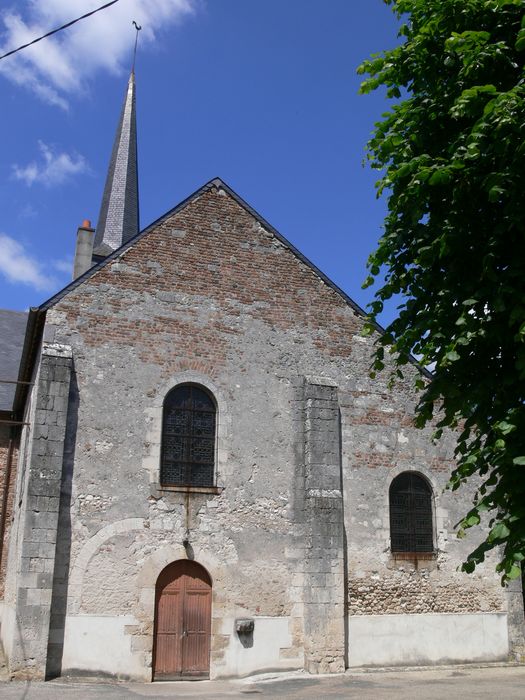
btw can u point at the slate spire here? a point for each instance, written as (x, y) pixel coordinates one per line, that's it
(118, 220)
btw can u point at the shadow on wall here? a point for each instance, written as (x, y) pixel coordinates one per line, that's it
(58, 611)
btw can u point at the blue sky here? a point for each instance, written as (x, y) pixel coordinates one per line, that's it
(262, 93)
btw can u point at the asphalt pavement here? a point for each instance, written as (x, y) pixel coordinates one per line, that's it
(486, 683)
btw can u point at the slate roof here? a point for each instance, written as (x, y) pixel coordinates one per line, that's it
(12, 332)
(118, 220)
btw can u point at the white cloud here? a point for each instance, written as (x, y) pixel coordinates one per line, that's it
(19, 267)
(65, 266)
(28, 211)
(58, 66)
(53, 169)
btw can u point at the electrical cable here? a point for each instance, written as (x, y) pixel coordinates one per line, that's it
(59, 29)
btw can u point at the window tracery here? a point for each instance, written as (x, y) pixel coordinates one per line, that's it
(410, 499)
(188, 437)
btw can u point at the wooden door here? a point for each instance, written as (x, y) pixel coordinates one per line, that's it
(182, 622)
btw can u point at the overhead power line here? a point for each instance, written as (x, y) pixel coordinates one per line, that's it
(58, 29)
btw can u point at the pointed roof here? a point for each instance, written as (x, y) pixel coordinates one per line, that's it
(118, 220)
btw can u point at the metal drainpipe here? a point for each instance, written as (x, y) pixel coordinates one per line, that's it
(5, 495)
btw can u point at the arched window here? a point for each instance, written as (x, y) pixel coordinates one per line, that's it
(188, 437)
(411, 514)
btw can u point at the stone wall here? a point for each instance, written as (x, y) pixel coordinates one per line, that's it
(409, 590)
(324, 634)
(8, 453)
(379, 443)
(376, 451)
(211, 295)
(39, 494)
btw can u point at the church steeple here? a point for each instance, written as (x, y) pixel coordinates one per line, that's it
(118, 220)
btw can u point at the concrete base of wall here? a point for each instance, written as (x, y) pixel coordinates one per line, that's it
(426, 639)
(262, 652)
(7, 622)
(98, 645)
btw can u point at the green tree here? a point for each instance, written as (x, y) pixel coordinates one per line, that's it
(452, 154)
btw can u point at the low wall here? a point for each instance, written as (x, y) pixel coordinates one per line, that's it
(427, 639)
(265, 650)
(100, 646)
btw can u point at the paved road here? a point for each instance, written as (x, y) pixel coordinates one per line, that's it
(506, 683)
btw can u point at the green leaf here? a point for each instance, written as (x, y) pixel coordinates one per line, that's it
(520, 41)
(495, 193)
(499, 532)
(513, 572)
(489, 107)
(440, 177)
(451, 153)
(472, 520)
(504, 427)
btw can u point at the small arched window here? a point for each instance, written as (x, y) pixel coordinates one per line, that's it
(188, 437)
(411, 514)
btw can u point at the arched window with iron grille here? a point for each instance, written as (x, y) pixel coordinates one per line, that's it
(411, 514)
(188, 437)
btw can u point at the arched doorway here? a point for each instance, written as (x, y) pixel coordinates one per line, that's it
(182, 622)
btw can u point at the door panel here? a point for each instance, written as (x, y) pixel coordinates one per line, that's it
(169, 633)
(182, 622)
(196, 616)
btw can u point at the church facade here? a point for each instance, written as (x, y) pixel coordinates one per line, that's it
(210, 484)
